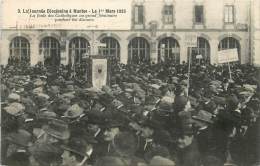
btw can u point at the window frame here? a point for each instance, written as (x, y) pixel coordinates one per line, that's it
(203, 15)
(141, 46)
(110, 43)
(226, 9)
(79, 48)
(168, 18)
(170, 45)
(51, 45)
(137, 18)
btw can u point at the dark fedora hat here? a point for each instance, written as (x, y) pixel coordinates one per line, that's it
(77, 130)
(203, 116)
(58, 129)
(210, 106)
(163, 137)
(94, 117)
(111, 123)
(220, 100)
(21, 138)
(78, 146)
(45, 153)
(125, 143)
(156, 150)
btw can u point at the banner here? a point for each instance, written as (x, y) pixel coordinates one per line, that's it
(199, 57)
(225, 56)
(99, 73)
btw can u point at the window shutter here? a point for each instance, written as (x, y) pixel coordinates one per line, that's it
(199, 14)
(136, 14)
(141, 14)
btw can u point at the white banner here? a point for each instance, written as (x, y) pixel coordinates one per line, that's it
(199, 57)
(99, 73)
(225, 56)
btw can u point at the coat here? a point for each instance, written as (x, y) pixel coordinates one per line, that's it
(209, 144)
(190, 155)
(252, 144)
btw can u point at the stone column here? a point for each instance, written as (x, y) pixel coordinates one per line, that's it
(93, 44)
(124, 51)
(154, 51)
(183, 52)
(34, 51)
(244, 58)
(4, 51)
(64, 54)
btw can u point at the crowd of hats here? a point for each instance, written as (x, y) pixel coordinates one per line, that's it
(148, 115)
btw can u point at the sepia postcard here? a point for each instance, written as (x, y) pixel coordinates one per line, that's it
(130, 82)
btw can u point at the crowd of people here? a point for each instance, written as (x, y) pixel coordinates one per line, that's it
(148, 115)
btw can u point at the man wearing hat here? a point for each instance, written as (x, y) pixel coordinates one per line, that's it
(76, 152)
(16, 142)
(188, 152)
(180, 99)
(18, 159)
(206, 137)
(105, 134)
(125, 145)
(55, 131)
(44, 154)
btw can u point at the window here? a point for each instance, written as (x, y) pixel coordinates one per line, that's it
(19, 50)
(50, 47)
(203, 49)
(229, 14)
(139, 14)
(112, 48)
(169, 48)
(199, 18)
(138, 50)
(78, 46)
(168, 14)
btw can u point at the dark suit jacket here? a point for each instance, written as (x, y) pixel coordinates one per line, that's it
(190, 155)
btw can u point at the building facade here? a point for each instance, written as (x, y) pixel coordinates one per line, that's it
(158, 32)
(255, 31)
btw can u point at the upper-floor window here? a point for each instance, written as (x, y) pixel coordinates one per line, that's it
(229, 14)
(138, 14)
(199, 14)
(168, 14)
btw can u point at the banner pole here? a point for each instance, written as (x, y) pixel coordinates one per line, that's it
(188, 86)
(229, 71)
